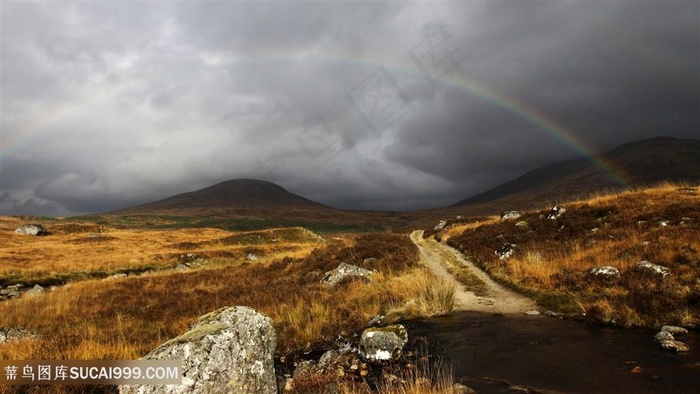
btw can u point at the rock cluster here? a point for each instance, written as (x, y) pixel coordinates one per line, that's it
(666, 338)
(32, 229)
(377, 346)
(227, 351)
(11, 291)
(345, 271)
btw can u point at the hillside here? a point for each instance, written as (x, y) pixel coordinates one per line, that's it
(240, 195)
(639, 163)
(551, 258)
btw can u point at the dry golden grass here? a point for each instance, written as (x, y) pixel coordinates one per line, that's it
(77, 250)
(553, 257)
(125, 318)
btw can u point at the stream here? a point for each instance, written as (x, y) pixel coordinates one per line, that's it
(491, 353)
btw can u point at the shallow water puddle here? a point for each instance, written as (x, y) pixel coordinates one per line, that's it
(492, 353)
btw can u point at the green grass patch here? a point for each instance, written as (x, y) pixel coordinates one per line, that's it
(229, 224)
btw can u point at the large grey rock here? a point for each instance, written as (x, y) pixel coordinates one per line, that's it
(653, 268)
(343, 271)
(32, 229)
(227, 351)
(381, 344)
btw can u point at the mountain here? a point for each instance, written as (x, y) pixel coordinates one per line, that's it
(637, 164)
(240, 197)
(256, 199)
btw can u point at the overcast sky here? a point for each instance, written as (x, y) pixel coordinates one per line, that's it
(367, 106)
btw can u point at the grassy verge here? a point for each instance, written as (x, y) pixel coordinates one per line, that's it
(552, 258)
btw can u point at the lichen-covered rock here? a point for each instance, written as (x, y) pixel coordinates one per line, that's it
(344, 271)
(510, 215)
(382, 344)
(653, 268)
(227, 351)
(674, 330)
(506, 250)
(605, 271)
(32, 229)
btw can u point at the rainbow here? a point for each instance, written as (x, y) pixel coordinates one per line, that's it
(529, 114)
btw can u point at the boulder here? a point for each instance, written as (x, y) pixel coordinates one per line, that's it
(662, 336)
(441, 224)
(227, 351)
(382, 344)
(674, 330)
(36, 290)
(533, 313)
(8, 334)
(344, 271)
(510, 215)
(674, 345)
(252, 257)
(653, 268)
(506, 250)
(459, 388)
(522, 224)
(556, 212)
(32, 229)
(605, 271)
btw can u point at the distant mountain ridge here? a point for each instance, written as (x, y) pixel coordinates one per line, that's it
(639, 163)
(239, 197)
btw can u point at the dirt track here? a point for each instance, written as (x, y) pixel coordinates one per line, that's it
(497, 299)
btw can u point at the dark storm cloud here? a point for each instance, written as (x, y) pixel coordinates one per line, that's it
(110, 104)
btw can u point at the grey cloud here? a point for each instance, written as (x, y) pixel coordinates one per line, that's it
(107, 105)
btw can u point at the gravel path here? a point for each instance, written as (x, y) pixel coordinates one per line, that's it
(498, 299)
